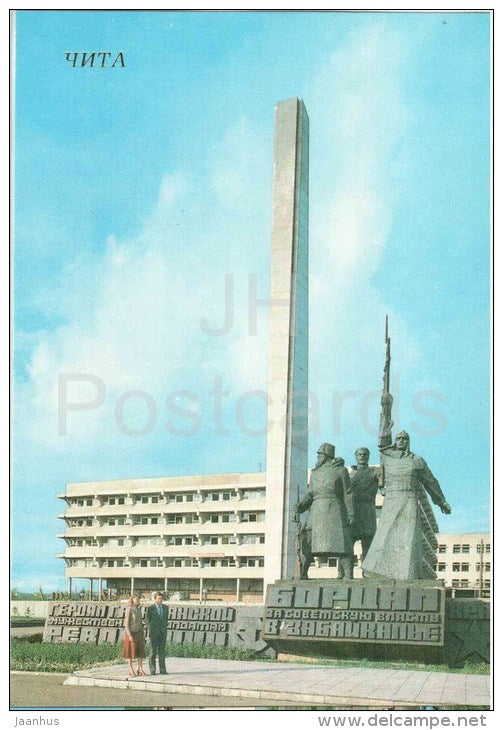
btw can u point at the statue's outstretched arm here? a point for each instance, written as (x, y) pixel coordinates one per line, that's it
(433, 488)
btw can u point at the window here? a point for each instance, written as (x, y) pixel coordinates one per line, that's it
(121, 500)
(189, 498)
(249, 517)
(442, 549)
(174, 519)
(456, 567)
(465, 567)
(465, 549)
(440, 567)
(464, 583)
(252, 562)
(253, 493)
(215, 496)
(226, 496)
(252, 539)
(455, 583)
(456, 549)
(111, 500)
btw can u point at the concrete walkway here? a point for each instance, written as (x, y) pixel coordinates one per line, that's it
(320, 685)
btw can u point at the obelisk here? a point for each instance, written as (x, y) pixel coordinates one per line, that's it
(286, 459)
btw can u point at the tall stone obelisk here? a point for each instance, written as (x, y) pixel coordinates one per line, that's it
(286, 460)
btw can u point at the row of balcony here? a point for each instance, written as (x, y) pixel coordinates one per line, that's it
(196, 528)
(164, 572)
(160, 507)
(164, 498)
(134, 520)
(163, 550)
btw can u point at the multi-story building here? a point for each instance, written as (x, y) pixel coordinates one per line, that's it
(464, 563)
(198, 536)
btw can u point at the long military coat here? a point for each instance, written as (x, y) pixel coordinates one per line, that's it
(330, 504)
(364, 486)
(396, 550)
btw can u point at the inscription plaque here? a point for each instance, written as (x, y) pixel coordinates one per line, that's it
(97, 623)
(355, 611)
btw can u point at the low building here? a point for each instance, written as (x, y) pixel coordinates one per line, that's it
(464, 563)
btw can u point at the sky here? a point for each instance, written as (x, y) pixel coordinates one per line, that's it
(143, 207)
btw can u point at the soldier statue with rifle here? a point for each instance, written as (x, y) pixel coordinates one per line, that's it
(396, 550)
(327, 532)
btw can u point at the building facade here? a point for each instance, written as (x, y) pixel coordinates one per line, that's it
(193, 537)
(464, 563)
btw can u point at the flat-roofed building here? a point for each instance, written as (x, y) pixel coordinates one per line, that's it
(464, 563)
(196, 536)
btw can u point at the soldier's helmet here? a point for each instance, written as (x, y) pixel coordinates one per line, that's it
(327, 449)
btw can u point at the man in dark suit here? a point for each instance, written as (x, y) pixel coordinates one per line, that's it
(157, 626)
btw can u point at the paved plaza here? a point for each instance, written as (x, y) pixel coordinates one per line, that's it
(317, 684)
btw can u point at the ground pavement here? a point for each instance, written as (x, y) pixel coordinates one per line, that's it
(285, 682)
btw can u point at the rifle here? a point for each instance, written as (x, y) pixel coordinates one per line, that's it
(386, 423)
(298, 551)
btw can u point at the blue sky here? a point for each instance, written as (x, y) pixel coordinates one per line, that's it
(139, 188)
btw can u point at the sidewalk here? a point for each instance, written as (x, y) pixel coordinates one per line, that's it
(319, 685)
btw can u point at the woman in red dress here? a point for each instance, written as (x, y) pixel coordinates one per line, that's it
(134, 641)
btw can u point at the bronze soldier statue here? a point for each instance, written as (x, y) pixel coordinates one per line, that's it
(327, 530)
(364, 486)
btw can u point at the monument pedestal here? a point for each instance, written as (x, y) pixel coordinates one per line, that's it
(356, 619)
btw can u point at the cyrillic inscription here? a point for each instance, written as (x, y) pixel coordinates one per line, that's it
(395, 613)
(104, 622)
(97, 59)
